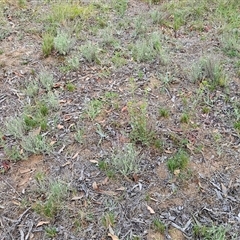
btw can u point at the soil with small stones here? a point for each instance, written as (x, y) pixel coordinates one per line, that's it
(207, 193)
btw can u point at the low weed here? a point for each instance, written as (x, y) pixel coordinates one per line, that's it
(120, 6)
(70, 87)
(185, 118)
(163, 112)
(32, 88)
(108, 219)
(208, 69)
(210, 233)
(90, 52)
(79, 136)
(47, 44)
(51, 232)
(126, 160)
(56, 192)
(139, 122)
(63, 42)
(231, 43)
(149, 49)
(178, 162)
(158, 226)
(46, 79)
(94, 108)
(36, 144)
(15, 127)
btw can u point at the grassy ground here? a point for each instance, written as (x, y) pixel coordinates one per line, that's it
(119, 119)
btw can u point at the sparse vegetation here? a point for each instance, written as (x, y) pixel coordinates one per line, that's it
(178, 162)
(102, 106)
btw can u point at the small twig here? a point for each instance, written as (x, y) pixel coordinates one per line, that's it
(11, 187)
(29, 231)
(20, 219)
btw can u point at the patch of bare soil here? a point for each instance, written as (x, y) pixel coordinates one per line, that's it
(206, 193)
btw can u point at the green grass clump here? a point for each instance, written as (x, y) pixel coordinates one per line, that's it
(55, 192)
(163, 112)
(149, 49)
(178, 162)
(141, 133)
(158, 226)
(47, 44)
(63, 42)
(90, 52)
(126, 160)
(94, 108)
(120, 6)
(15, 126)
(70, 87)
(69, 11)
(46, 80)
(36, 144)
(210, 233)
(209, 70)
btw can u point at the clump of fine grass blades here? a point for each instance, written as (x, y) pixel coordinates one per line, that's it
(126, 160)
(141, 133)
(56, 192)
(36, 144)
(208, 69)
(47, 44)
(46, 80)
(178, 162)
(149, 49)
(63, 42)
(94, 108)
(90, 52)
(210, 233)
(15, 126)
(158, 226)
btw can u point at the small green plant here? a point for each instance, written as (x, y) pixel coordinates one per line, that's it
(90, 52)
(48, 44)
(51, 232)
(51, 100)
(63, 42)
(118, 59)
(94, 108)
(46, 80)
(140, 26)
(43, 109)
(149, 49)
(79, 136)
(231, 43)
(158, 17)
(14, 153)
(73, 63)
(30, 122)
(237, 125)
(210, 70)
(32, 89)
(120, 6)
(185, 118)
(139, 122)
(210, 233)
(206, 110)
(108, 219)
(56, 192)
(36, 144)
(70, 87)
(108, 38)
(158, 226)
(178, 162)
(126, 160)
(163, 112)
(15, 127)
